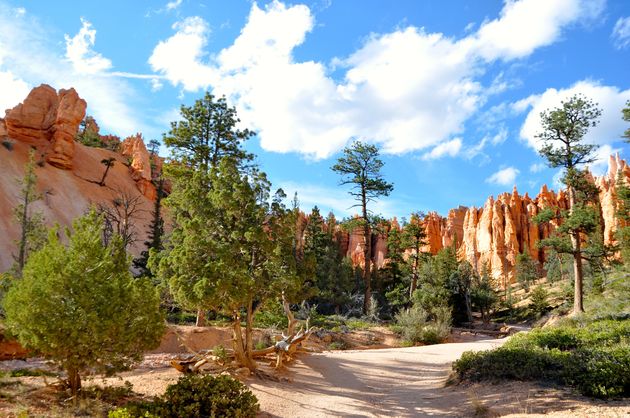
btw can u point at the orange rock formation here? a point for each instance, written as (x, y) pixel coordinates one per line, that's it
(47, 119)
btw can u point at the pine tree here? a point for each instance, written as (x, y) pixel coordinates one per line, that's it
(414, 238)
(563, 133)
(360, 166)
(108, 163)
(526, 270)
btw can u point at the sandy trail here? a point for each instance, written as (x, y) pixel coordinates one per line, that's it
(397, 382)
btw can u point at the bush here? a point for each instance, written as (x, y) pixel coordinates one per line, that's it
(593, 357)
(600, 371)
(195, 396)
(415, 326)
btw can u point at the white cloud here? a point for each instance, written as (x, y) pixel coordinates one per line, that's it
(504, 177)
(394, 88)
(530, 24)
(450, 148)
(602, 154)
(478, 149)
(172, 5)
(80, 53)
(180, 57)
(14, 90)
(610, 99)
(621, 33)
(27, 50)
(537, 167)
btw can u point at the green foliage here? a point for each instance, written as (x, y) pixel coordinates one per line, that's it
(155, 236)
(526, 269)
(88, 135)
(418, 326)
(593, 356)
(626, 116)
(333, 277)
(196, 396)
(482, 294)
(538, 298)
(32, 228)
(360, 167)
(78, 305)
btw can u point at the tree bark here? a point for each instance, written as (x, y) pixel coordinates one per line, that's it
(238, 345)
(367, 252)
(291, 319)
(74, 381)
(201, 318)
(578, 306)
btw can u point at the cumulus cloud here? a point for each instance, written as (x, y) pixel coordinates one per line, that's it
(80, 53)
(391, 91)
(527, 25)
(180, 57)
(14, 90)
(504, 177)
(450, 148)
(27, 50)
(610, 99)
(621, 33)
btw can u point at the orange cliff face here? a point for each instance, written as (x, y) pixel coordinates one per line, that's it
(68, 172)
(492, 236)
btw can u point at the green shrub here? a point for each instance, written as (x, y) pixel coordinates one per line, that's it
(593, 357)
(414, 325)
(208, 396)
(196, 396)
(511, 363)
(600, 371)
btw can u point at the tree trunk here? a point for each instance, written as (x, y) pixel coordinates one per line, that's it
(367, 253)
(237, 343)
(102, 183)
(249, 335)
(74, 381)
(289, 314)
(201, 318)
(468, 306)
(578, 306)
(414, 276)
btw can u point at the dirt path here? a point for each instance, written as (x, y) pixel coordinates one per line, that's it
(399, 382)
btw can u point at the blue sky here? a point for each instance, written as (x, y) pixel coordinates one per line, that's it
(450, 90)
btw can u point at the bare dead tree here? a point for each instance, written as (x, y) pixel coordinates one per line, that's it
(120, 217)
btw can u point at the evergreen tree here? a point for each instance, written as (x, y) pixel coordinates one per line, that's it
(413, 236)
(563, 133)
(482, 293)
(360, 166)
(206, 134)
(526, 270)
(78, 305)
(108, 163)
(397, 287)
(32, 229)
(626, 116)
(156, 232)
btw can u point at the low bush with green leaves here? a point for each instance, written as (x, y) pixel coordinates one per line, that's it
(418, 326)
(594, 357)
(196, 396)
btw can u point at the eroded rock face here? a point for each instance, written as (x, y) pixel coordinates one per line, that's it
(70, 113)
(133, 147)
(3, 129)
(48, 119)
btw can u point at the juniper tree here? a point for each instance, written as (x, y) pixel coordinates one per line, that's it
(562, 136)
(206, 134)
(360, 167)
(78, 305)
